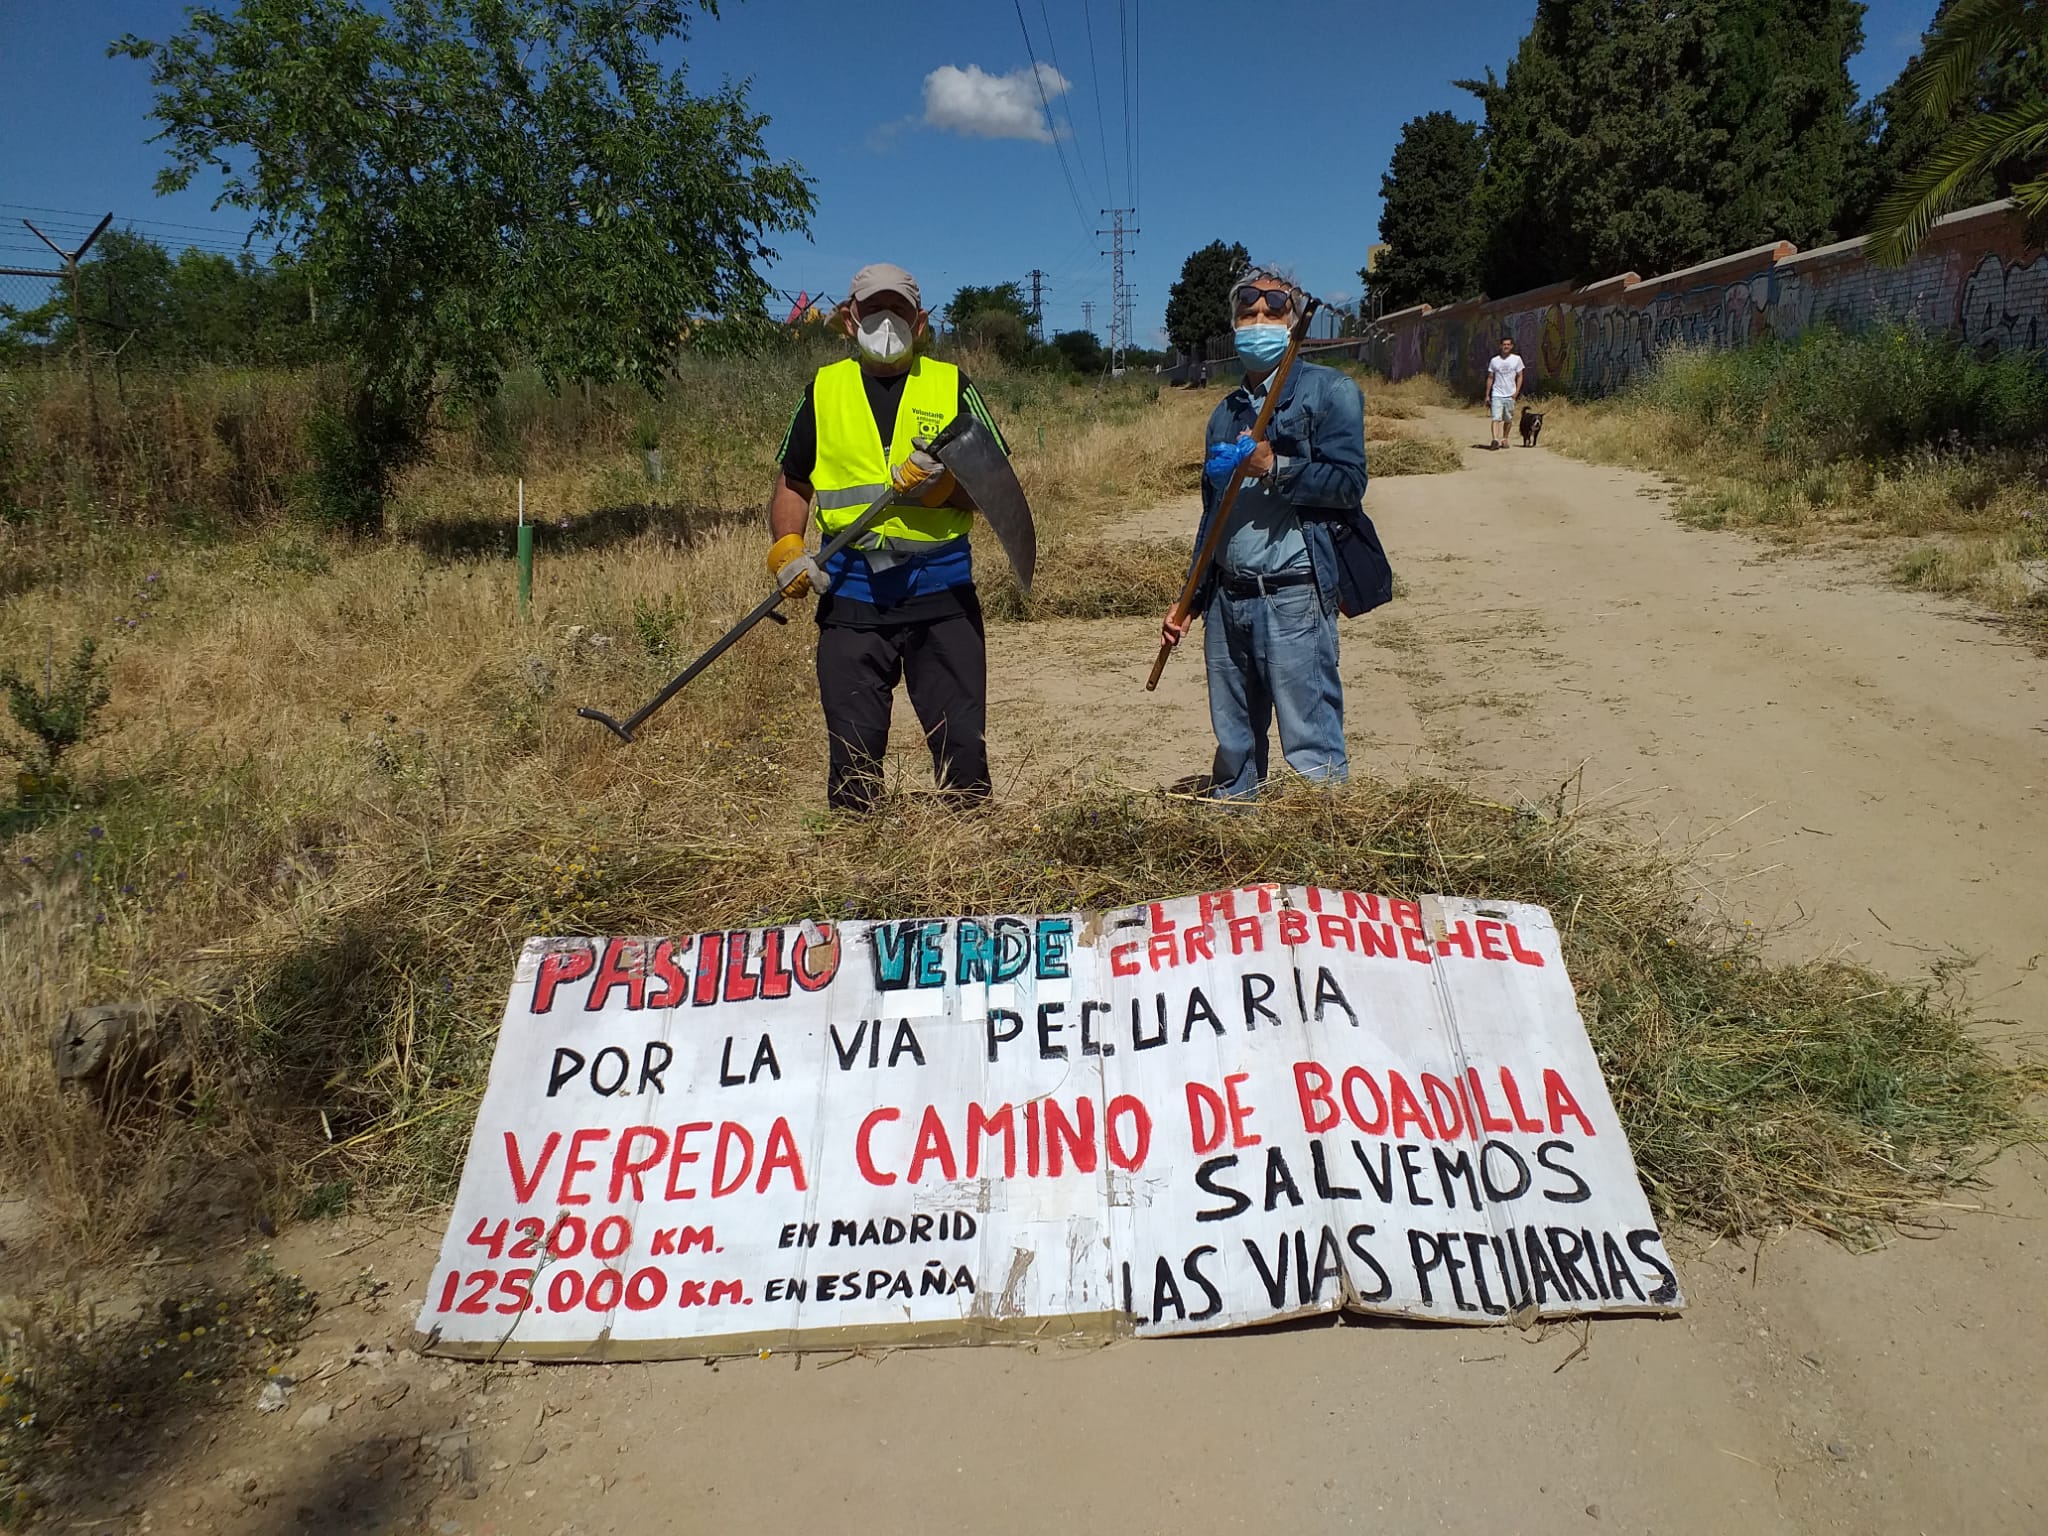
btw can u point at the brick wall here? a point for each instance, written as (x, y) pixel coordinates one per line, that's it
(1975, 277)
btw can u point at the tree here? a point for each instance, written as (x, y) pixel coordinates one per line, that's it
(1651, 134)
(1082, 350)
(1781, 90)
(146, 306)
(1426, 215)
(1198, 306)
(998, 331)
(1965, 122)
(124, 291)
(999, 298)
(465, 181)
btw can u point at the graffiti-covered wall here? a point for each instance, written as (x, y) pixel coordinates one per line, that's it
(1975, 278)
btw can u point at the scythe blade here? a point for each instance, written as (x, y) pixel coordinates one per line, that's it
(978, 462)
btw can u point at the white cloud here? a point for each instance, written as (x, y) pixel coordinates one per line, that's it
(983, 106)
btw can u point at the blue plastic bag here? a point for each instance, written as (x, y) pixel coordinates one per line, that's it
(1225, 457)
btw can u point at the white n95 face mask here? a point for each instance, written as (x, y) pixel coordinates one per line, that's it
(883, 337)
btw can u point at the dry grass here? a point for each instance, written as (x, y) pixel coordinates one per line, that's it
(339, 784)
(1411, 395)
(1094, 579)
(1413, 454)
(287, 705)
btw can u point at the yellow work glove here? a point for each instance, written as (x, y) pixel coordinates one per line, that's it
(791, 565)
(924, 477)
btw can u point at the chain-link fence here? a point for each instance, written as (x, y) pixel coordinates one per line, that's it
(27, 297)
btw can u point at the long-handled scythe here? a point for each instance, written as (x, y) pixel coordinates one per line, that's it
(977, 461)
(1206, 555)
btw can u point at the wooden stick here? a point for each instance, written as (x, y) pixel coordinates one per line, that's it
(1207, 553)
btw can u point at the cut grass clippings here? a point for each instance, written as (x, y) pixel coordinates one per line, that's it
(1755, 1094)
(1094, 579)
(1412, 455)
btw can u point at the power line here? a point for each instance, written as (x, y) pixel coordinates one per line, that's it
(1123, 43)
(1137, 107)
(1095, 81)
(1058, 148)
(1052, 48)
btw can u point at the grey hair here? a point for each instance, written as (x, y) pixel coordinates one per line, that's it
(1260, 272)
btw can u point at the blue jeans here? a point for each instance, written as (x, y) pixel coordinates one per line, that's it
(1269, 655)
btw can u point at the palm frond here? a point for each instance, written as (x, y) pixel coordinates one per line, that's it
(1965, 152)
(1968, 36)
(2032, 196)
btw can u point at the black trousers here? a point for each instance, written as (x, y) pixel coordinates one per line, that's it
(944, 662)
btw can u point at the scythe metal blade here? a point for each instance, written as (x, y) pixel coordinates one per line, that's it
(978, 462)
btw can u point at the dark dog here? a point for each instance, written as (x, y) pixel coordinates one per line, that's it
(1532, 426)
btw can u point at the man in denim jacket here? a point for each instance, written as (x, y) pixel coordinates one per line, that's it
(1297, 548)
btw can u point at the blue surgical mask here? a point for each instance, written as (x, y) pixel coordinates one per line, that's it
(1261, 346)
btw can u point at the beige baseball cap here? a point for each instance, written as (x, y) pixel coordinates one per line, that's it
(884, 277)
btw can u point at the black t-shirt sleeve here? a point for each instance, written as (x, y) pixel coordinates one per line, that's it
(799, 453)
(970, 400)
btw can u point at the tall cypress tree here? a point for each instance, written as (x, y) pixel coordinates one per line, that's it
(1651, 134)
(1198, 304)
(1426, 215)
(1781, 87)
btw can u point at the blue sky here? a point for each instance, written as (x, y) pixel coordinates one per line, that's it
(1278, 141)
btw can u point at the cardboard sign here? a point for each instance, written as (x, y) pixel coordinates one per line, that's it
(1194, 1114)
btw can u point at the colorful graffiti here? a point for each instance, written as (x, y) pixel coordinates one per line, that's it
(1975, 278)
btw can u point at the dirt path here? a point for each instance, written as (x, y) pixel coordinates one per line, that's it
(1868, 767)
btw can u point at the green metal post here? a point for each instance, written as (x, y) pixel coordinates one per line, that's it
(525, 555)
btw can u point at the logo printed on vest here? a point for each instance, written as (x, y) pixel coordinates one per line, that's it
(928, 422)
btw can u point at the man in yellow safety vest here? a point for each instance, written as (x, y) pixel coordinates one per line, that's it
(901, 603)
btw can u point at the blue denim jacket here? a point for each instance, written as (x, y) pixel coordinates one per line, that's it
(1318, 438)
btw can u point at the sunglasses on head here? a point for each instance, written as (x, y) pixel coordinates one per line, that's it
(1275, 301)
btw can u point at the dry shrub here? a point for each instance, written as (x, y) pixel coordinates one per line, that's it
(209, 445)
(57, 1139)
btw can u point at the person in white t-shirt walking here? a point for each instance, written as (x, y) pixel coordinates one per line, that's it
(1504, 388)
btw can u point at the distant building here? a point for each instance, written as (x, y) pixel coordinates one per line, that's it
(1370, 306)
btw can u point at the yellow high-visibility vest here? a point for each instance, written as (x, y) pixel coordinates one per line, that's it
(853, 468)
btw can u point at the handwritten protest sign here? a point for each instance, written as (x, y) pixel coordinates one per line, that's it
(1188, 1115)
